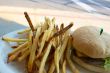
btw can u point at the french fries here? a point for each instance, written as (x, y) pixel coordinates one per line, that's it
(18, 48)
(14, 39)
(29, 21)
(56, 58)
(24, 31)
(13, 57)
(43, 44)
(52, 67)
(70, 63)
(64, 67)
(26, 53)
(45, 58)
(33, 49)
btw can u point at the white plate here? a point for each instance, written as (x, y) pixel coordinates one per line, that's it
(15, 67)
(5, 48)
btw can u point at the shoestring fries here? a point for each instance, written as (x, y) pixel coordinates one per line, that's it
(19, 48)
(29, 21)
(69, 61)
(64, 67)
(43, 48)
(8, 39)
(24, 31)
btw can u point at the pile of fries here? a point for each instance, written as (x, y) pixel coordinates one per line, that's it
(46, 48)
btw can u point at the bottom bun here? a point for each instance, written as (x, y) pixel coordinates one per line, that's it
(88, 66)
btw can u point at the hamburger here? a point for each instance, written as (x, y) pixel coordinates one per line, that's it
(91, 48)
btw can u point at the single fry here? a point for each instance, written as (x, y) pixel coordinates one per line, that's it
(38, 65)
(47, 21)
(45, 58)
(33, 50)
(50, 32)
(61, 36)
(52, 67)
(62, 26)
(31, 58)
(56, 58)
(24, 49)
(18, 48)
(13, 57)
(64, 67)
(63, 47)
(14, 39)
(26, 53)
(70, 63)
(45, 25)
(24, 31)
(29, 21)
(42, 43)
(53, 21)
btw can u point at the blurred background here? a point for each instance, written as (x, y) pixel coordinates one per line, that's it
(11, 11)
(92, 6)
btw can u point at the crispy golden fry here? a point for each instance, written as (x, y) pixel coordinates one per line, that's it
(64, 67)
(13, 57)
(18, 48)
(47, 21)
(14, 47)
(61, 26)
(33, 50)
(63, 30)
(56, 58)
(62, 59)
(29, 64)
(45, 58)
(37, 62)
(26, 53)
(53, 21)
(29, 21)
(14, 39)
(63, 47)
(31, 39)
(38, 65)
(61, 36)
(45, 25)
(42, 43)
(50, 31)
(24, 49)
(52, 67)
(70, 63)
(55, 40)
(24, 31)
(30, 36)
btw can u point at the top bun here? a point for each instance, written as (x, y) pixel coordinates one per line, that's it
(87, 40)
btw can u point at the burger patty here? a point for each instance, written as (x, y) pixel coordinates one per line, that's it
(96, 62)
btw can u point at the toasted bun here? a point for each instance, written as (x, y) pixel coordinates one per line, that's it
(88, 41)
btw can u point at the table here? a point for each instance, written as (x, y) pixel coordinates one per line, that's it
(12, 18)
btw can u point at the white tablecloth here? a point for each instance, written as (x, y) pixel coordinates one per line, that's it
(12, 18)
